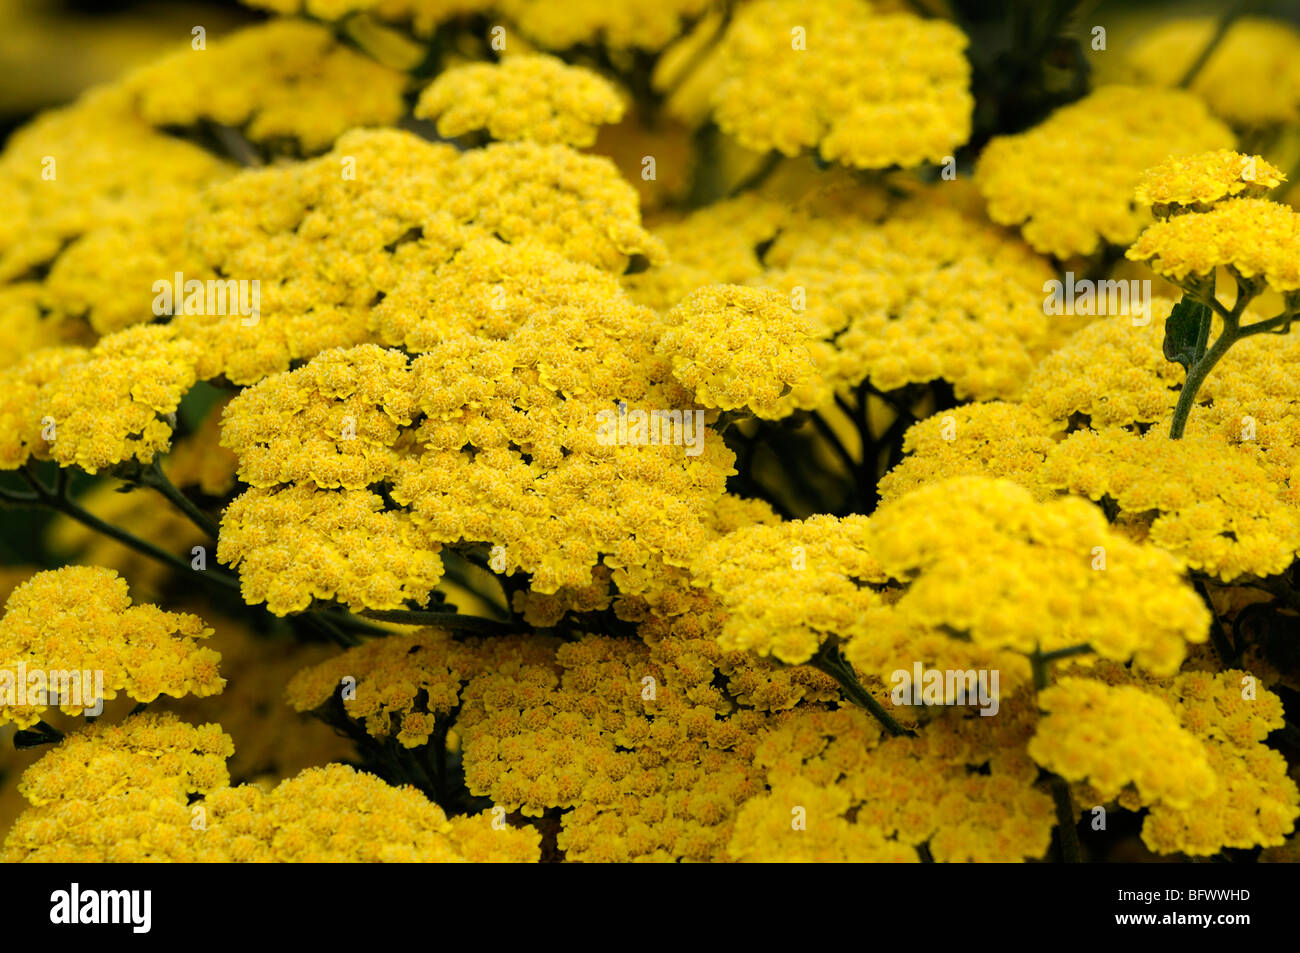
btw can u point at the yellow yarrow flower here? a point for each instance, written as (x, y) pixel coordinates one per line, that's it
(535, 97)
(790, 586)
(1199, 181)
(118, 403)
(332, 422)
(295, 544)
(390, 673)
(154, 752)
(1254, 237)
(1209, 502)
(766, 831)
(738, 348)
(287, 79)
(80, 619)
(1068, 182)
(982, 558)
(385, 213)
(929, 292)
(629, 25)
(993, 439)
(1117, 736)
(869, 90)
(92, 165)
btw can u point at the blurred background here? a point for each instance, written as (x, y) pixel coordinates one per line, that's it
(50, 50)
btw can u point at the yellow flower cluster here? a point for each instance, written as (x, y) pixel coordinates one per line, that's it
(790, 586)
(517, 450)
(332, 814)
(1117, 736)
(1252, 78)
(1253, 237)
(22, 432)
(1112, 372)
(80, 619)
(766, 829)
(651, 756)
(987, 562)
(271, 743)
(90, 166)
(296, 544)
(868, 90)
(384, 213)
(1207, 501)
(1196, 182)
(536, 97)
(1069, 181)
(629, 25)
(287, 79)
(117, 403)
(484, 348)
(332, 422)
(930, 292)
(738, 348)
(963, 788)
(993, 439)
(491, 290)
(151, 752)
(1253, 802)
(404, 682)
(336, 814)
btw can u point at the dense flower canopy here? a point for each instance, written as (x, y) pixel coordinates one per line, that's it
(668, 430)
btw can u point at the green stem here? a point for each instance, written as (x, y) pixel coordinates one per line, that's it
(444, 620)
(831, 661)
(1232, 332)
(60, 502)
(1225, 24)
(1196, 377)
(155, 477)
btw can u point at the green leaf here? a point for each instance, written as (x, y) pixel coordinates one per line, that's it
(1183, 332)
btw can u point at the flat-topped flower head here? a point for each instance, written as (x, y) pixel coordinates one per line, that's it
(384, 213)
(1196, 182)
(530, 96)
(155, 752)
(867, 89)
(334, 420)
(405, 682)
(789, 587)
(286, 79)
(1117, 736)
(92, 165)
(982, 559)
(993, 439)
(80, 619)
(118, 403)
(738, 348)
(929, 292)
(1068, 183)
(1207, 501)
(1255, 238)
(296, 544)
